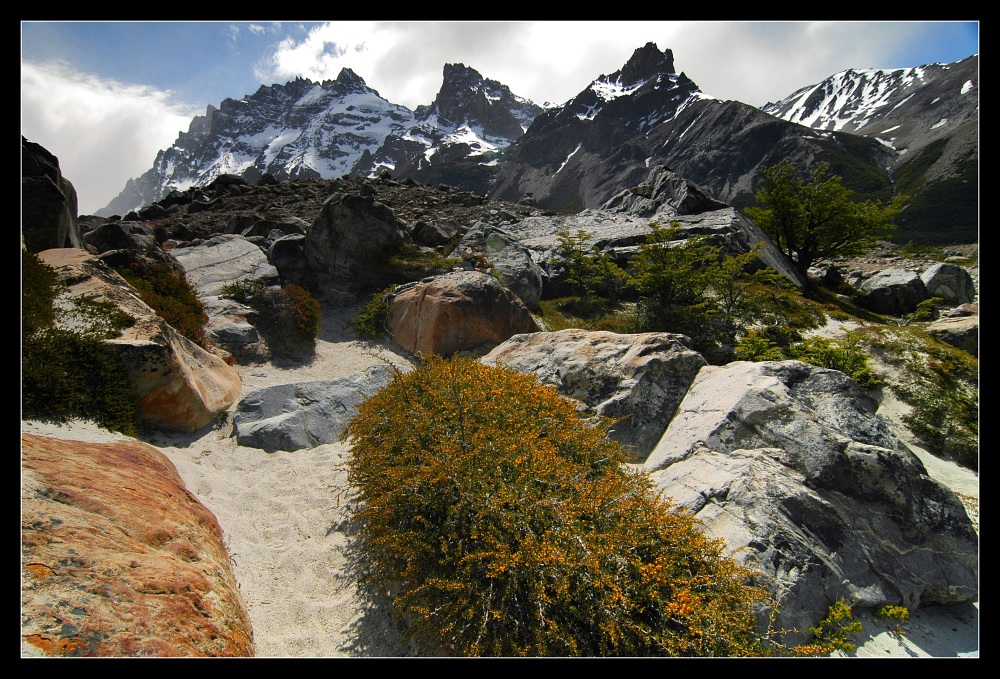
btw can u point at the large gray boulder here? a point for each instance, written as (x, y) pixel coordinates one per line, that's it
(894, 292)
(640, 378)
(305, 415)
(961, 332)
(789, 464)
(349, 241)
(223, 259)
(510, 259)
(950, 282)
(456, 312)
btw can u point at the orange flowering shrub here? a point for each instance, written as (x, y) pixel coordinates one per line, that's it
(508, 526)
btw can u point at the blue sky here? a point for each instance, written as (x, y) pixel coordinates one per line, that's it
(104, 97)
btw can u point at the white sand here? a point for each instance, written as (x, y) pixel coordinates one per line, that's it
(285, 520)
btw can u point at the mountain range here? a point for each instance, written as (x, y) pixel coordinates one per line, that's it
(911, 130)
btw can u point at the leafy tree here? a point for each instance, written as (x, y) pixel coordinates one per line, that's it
(504, 524)
(588, 272)
(673, 281)
(815, 219)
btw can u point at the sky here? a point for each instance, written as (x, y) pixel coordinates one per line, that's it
(105, 97)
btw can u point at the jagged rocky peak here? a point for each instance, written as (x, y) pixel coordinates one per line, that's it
(645, 63)
(466, 97)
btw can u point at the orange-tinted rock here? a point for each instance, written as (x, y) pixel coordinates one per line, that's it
(458, 311)
(180, 386)
(118, 558)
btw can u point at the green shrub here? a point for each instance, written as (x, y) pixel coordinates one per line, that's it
(39, 288)
(757, 347)
(369, 322)
(243, 290)
(927, 310)
(71, 373)
(832, 632)
(507, 526)
(845, 355)
(170, 295)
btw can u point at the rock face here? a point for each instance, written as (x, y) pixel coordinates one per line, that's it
(454, 312)
(211, 264)
(48, 202)
(641, 378)
(621, 235)
(789, 463)
(306, 414)
(180, 386)
(118, 558)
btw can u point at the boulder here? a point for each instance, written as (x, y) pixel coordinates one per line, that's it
(789, 464)
(179, 385)
(349, 240)
(894, 292)
(455, 312)
(640, 378)
(118, 558)
(287, 255)
(951, 283)
(305, 414)
(48, 202)
(961, 332)
(509, 258)
(223, 259)
(121, 236)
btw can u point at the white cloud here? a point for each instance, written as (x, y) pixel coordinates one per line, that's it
(91, 123)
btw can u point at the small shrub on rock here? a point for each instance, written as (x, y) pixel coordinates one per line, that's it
(369, 322)
(170, 295)
(508, 526)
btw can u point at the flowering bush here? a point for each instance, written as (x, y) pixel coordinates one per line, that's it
(506, 525)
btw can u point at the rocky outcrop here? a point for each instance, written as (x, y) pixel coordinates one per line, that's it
(663, 191)
(893, 291)
(621, 235)
(305, 414)
(455, 312)
(791, 466)
(179, 385)
(48, 202)
(639, 379)
(118, 558)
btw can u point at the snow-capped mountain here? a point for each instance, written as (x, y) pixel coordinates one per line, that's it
(910, 131)
(929, 117)
(458, 138)
(904, 108)
(339, 127)
(561, 158)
